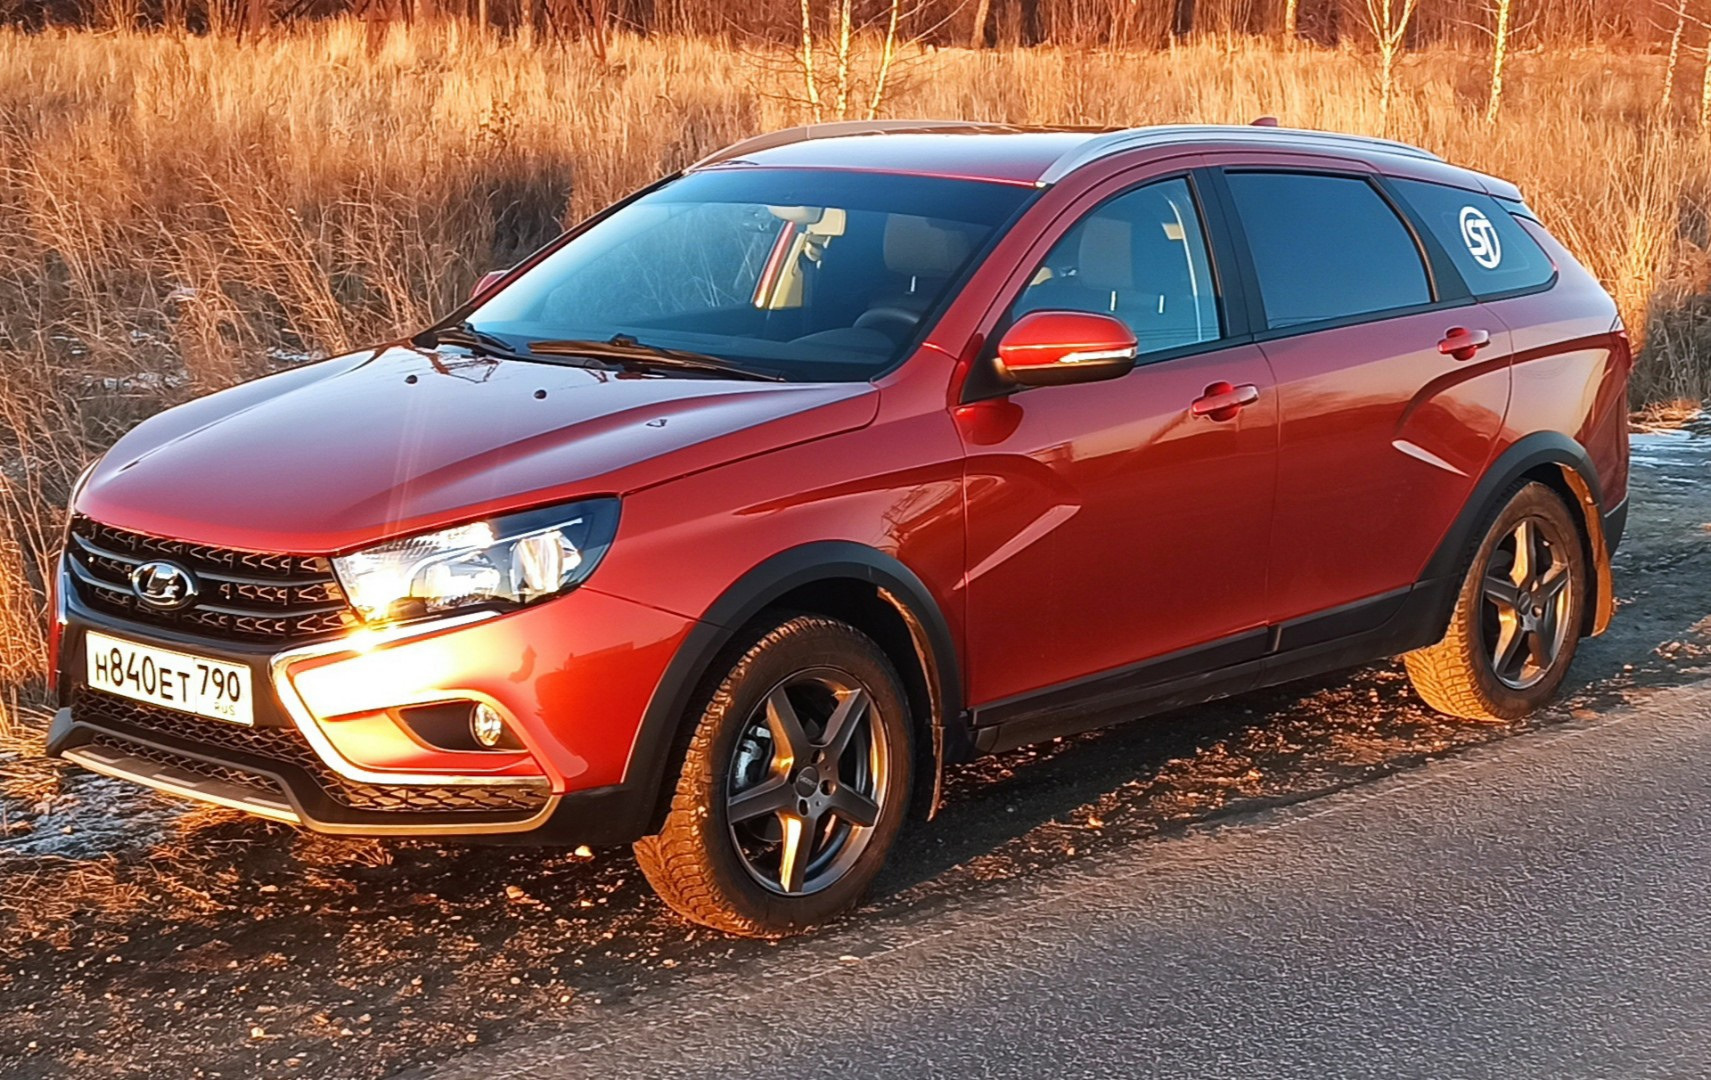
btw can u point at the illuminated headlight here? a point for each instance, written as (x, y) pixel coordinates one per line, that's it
(503, 563)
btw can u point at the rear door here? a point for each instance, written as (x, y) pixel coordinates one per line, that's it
(1382, 430)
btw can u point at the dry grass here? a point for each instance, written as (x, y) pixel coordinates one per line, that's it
(177, 213)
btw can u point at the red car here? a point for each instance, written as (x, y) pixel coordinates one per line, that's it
(727, 520)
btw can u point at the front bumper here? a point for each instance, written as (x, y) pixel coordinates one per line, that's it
(328, 752)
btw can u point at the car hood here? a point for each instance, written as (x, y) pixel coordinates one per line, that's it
(343, 453)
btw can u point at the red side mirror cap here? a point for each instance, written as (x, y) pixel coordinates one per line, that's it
(1050, 348)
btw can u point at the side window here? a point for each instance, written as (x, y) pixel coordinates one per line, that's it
(1491, 250)
(1326, 247)
(1141, 257)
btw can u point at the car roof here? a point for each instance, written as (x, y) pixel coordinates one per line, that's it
(1035, 156)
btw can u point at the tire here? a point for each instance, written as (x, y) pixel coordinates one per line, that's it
(1515, 628)
(755, 786)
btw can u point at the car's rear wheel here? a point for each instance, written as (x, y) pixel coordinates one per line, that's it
(1517, 619)
(794, 786)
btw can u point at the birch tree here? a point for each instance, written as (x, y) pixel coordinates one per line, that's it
(1705, 94)
(838, 86)
(1502, 11)
(1668, 97)
(807, 58)
(888, 55)
(982, 13)
(1388, 20)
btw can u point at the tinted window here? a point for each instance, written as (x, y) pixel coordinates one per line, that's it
(1490, 248)
(1326, 247)
(1141, 257)
(813, 274)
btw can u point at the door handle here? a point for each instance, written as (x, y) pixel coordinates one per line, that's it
(1461, 343)
(1222, 400)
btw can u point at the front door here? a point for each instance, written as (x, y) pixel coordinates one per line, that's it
(1113, 524)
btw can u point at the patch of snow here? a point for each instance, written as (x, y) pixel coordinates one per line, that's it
(1671, 449)
(289, 358)
(143, 382)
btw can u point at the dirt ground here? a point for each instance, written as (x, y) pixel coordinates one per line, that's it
(141, 936)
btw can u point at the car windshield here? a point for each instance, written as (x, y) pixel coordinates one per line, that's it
(813, 275)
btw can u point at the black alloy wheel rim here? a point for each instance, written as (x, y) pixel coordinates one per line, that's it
(1524, 617)
(808, 777)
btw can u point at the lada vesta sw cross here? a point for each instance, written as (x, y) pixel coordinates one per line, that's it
(722, 524)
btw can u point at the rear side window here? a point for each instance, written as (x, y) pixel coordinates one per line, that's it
(1326, 248)
(1489, 247)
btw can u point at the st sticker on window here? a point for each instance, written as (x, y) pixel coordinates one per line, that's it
(1481, 238)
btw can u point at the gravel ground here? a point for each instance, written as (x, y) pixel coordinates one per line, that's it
(137, 936)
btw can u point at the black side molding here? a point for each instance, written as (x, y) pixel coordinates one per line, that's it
(1343, 637)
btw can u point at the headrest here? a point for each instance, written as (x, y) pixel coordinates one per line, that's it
(917, 246)
(1107, 259)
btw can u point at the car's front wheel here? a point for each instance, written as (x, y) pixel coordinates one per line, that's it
(794, 785)
(1517, 619)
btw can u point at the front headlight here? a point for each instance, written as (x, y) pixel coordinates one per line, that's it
(505, 562)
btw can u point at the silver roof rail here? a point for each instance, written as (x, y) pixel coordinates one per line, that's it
(838, 129)
(1100, 146)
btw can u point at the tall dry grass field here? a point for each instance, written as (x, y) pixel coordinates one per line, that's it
(177, 213)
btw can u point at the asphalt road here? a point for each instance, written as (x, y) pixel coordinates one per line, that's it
(1539, 907)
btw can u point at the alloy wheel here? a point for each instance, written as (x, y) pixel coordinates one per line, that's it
(808, 777)
(1525, 616)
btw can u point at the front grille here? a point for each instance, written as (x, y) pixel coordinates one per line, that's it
(287, 747)
(242, 595)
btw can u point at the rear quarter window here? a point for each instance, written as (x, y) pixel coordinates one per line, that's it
(1490, 249)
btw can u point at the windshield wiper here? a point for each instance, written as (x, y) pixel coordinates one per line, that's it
(482, 343)
(476, 341)
(627, 351)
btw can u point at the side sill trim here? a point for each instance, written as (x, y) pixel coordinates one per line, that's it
(1384, 625)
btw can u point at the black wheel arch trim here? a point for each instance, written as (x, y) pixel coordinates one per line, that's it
(1526, 455)
(662, 736)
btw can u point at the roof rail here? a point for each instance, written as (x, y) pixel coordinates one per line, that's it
(837, 129)
(1100, 146)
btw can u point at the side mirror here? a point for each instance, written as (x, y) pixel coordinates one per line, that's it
(485, 285)
(1052, 348)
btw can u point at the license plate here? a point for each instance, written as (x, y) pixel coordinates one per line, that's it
(214, 689)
